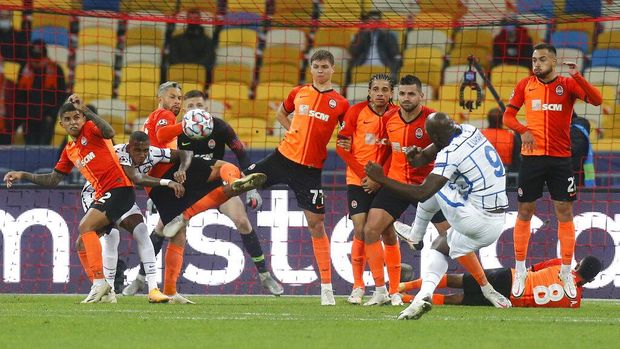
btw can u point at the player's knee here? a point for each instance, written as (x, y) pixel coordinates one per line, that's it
(179, 239)
(564, 211)
(79, 245)
(243, 225)
(526, 210)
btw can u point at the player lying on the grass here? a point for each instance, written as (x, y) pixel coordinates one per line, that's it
(543, 287)
(198, 186)
(162, 131)
(468, 185)
(91, 151)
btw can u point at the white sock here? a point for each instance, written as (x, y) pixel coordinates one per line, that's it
(436, 269)
(487, 288)
(326, 286)
(423, 215)
(565, 269)
(520, 267)
(381, 289)
(146, 253)
(109, 245)
(99, 282)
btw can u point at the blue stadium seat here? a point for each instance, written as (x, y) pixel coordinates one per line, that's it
(591, 8)
(246, 20)
(609, 57)
(540, 7)
(571, 39)
(52, 35)
(103, 5)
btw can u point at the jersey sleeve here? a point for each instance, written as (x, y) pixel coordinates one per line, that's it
(289, 102)
(345, 108)
(158, 155)
(349, 122)
(64, 164)
(90, 129)
(518, 95)
(446, 163)
(546, 264)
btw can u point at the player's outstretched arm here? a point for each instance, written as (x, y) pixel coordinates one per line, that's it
(148, 181)
(420, 193)
(106, 129)
(48, 179)
(418, 157)
(184, 158)
(592, 94)
(282, 117)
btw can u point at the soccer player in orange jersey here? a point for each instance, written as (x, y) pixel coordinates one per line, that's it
(298, 160)
(362, 139)
(405, 128)
(91, 151)
(542, 289)
(548, 99)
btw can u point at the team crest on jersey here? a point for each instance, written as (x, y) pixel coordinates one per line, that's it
(559, 90)
(512, 95)
(251, 167)
(419, 133)
(520, 192)
(304, 109)
(83, 141)
(211, 143)
(332, 103)
(354, 204)
(162, 122)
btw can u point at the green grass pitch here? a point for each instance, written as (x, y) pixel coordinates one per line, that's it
(28, 321)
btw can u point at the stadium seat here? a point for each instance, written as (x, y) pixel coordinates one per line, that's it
(11, 70)
(484, 12)
(508, 75)
(603, 75)
(609, 39)
(140, 96)
(287, 37)
(58, 54)
(238, 37)
(588, 27)
(569, 55)
(474, 37)
(187, 73)
(606, 57)
(357, 92)
(571, 39)
(93, 89)
(287, 7)
(250, 108)
(426, 63)
(249, 129)
(589, 8)
(340, 11)
(144, 36)
(538, 32)
(113, 107)
(51, 4)
(460, 53)
(280, 73)
(247, 20)
(233, 72)
(104, 22)
(95, 54)
(97, 36)
(94, 72)
(229, 91)
(102, 5)
(51, 35)
(338, 37)
(543, 8)
(161, 6)
(453, 74)
(236, 55)
(428, 37)
(140, 72)
(363, 73)
(40, 19)
(282, 54)
(149, 55)
(216, 108)
(590, 112)
(273, 91)
(205, 6)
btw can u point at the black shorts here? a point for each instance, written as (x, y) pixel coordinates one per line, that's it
(359, 201)
(556, 172)
(500, 279)
(304, 181)
(196, 186)
(395, 205)
(115, 202)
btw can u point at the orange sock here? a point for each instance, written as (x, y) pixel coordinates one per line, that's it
(374, 256)
(323, 260)
(566, 235)
(407, 298)
(392, 261)
(84, 262)
(174, 262)
(417, 283)
(472, 265)
(214, 199)
(229, 173)
(92, 247)
(358, 262)
(521, 237)
(438, 299)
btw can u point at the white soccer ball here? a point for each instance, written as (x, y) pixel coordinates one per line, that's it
(197, 124)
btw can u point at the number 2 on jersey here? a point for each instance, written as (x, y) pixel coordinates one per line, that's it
(494, 160)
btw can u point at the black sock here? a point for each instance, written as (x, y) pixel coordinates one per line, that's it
(157, 241)
(252, 245)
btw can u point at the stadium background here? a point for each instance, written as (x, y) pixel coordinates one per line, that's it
(114, 53)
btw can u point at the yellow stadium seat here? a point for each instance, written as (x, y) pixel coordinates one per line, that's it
(286, 37)
(589, 27)
(459, 55)
(187, 72)
(229, 91)
(103, 36)
(363, 73)
(428, 37)
(609, 39)
(93, 89)
(282, 54)
(50, 20)
(246, 6)
(273, 91)
(94, 72)
(206, 6)
(424, 62)
(252, 131)
(238, 37)
(95, 54)
(340, 11)
(249, 108)
(133, 89)
(293, 6)
(477, 37)
(11, 70)
(143, 54)
(236, 55)
(339, 37)
(233, 72)
(140, 72)
(54, 4)
(144, 36)
(508, 75)
(188, 86)
(163, 6)
(279, 72)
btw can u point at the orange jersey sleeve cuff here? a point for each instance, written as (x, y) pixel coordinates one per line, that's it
(510, 120)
